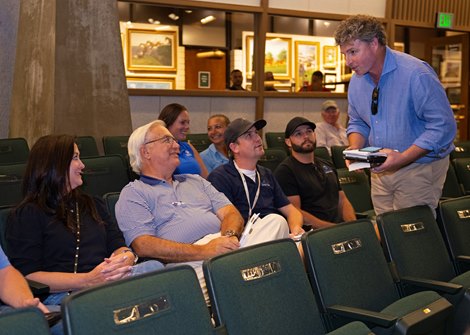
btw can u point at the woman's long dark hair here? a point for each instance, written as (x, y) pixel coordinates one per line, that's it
(46, 180)
(170, 113)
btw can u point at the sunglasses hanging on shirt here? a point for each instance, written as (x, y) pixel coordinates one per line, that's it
(374, 106)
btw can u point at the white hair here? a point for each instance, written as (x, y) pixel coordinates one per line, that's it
(136, 140)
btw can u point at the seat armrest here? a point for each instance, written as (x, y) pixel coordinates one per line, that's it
(463, 259)
(434, 285)
(38, 289)
(364, 315)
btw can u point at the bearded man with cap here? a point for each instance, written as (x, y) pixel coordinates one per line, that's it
(330, 132)
(311, 183)
(252, 188)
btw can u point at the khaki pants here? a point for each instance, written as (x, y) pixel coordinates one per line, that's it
(271, 227)
(412, 185)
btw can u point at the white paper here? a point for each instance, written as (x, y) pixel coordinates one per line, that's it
(358, 166)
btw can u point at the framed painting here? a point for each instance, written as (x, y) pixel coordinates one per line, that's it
(330, 56)
(330, 80)
(451, 71)
(151, 50)
(151, 83)
(307, 60)
(277, 56)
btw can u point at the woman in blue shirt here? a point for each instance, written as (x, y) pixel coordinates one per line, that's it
(217, 153)
(176, 118)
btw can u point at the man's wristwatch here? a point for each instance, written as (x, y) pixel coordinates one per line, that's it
(136, 258)
(230, 233)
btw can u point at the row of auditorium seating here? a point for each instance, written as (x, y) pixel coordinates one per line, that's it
(102, 174)
(397, 288)
(16, 150)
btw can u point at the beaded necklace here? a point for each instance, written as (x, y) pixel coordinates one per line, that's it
(77, 248)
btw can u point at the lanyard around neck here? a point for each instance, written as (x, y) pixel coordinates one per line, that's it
(247, 193)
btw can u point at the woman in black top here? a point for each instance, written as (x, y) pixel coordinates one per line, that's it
(58, 235)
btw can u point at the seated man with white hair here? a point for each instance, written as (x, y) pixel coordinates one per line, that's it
(177, 218)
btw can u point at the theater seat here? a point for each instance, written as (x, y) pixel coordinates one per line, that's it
(352, 282)
(263, 289)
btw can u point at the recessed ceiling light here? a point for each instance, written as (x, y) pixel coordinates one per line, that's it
(173, 16)
(207, 19)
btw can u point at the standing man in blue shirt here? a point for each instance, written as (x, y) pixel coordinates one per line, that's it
(396, 102)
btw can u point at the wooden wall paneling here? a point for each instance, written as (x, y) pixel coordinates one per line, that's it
(193, 64)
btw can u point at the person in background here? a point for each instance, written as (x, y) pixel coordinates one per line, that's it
(236, 77)
(397, 103)
(311, 183)
(60, 236)
(14, 290)
(250, 187)
(269, 81)
(176, 118)
(316, 84)
(330, 132)
(217, 153)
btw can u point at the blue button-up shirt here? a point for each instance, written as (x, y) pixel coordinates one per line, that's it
(212, 158)
(412, 109)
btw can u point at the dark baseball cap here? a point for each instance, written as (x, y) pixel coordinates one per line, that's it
(297, 122)
(240, 126)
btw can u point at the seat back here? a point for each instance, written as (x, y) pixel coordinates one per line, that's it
(11, 179)
(13, 150)
(322, 152)
(462, 170)
(355, 185)
(111, 199)
(262, 289)
(346, 266)
(23, 321)
(275, 140)
(337, 155)
(454, 215)
(116, 145)
(452, 187)
(4, 213)
(104, 174)
(168, 301)
(413, 242)
(200, 141)
(272, 158)
(87, 146)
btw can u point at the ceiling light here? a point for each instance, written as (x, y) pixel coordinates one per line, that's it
(207, 19)
(210, 54)
(173, 16)
(152, 21)
(188, 11)
(162, 28)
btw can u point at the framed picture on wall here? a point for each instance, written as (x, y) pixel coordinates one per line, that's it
(307, 60)
(451, 71)
(204, 79)
(330, 56)
(277, 56)
(151, 50)
(151, 83)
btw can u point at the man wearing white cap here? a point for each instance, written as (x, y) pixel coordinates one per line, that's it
(330, 132)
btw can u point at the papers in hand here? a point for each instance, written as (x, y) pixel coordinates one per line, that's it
(363, 159)
(248, 228)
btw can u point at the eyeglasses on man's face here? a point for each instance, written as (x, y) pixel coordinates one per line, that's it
(374, 106)
(167, 139)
